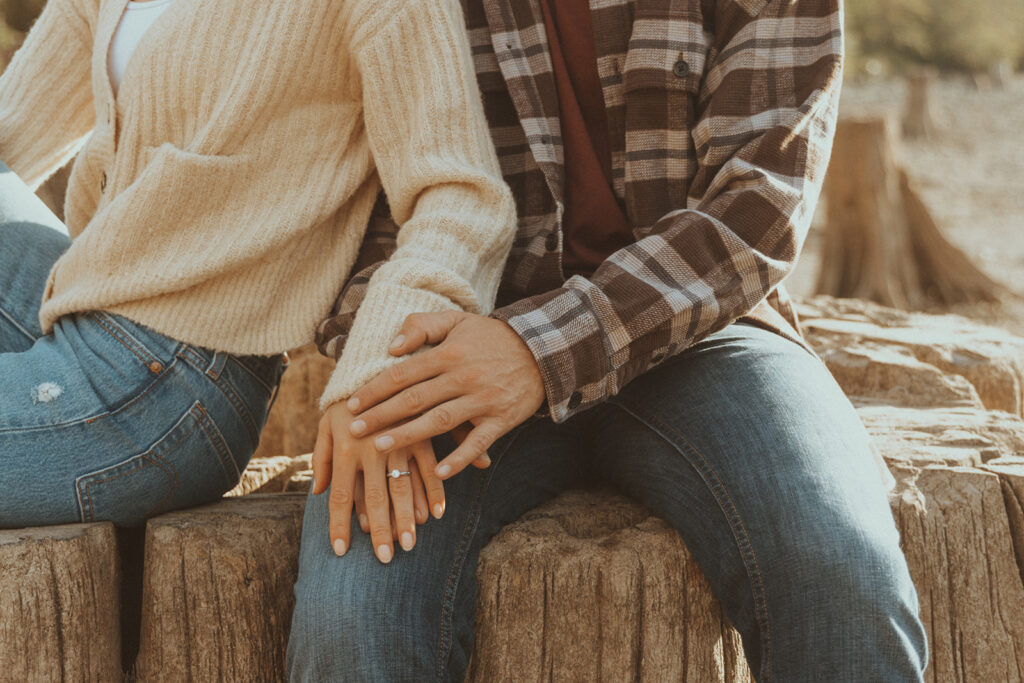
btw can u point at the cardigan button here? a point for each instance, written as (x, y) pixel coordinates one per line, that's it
(103, 182)
(575, 400)
(681, 69)
(551, 242)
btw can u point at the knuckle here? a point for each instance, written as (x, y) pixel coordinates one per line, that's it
(480, 443)
(443, 418)
(467, 377)
(340, 497)
(405, 519)
(375, 497)
(380, 529)
(401, 485)
(412, 398)
(397, 373)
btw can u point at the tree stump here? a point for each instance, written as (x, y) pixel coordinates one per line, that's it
(959, 547)
(217, 590)
(59, 607)
(919, 116)
(881, 243)
(591, 587)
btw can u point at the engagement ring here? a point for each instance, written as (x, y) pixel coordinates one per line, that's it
(396, 473)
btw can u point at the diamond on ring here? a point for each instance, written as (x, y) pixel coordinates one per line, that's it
(396, 473)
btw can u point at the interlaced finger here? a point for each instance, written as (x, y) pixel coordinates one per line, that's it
(400, 486)
(378, 509)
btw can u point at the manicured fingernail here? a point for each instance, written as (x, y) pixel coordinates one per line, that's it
(438, 511)
(384, 442)
(421, 515)
(357, 427)
(399, 340)
(406, 541)
(363, 522)
(312, 484)
(444, 470)
(486, 458)
(384, 553)
(353, 404)
(339, 547)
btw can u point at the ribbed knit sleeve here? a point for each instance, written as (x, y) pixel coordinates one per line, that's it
(435, 157)
(46, 102)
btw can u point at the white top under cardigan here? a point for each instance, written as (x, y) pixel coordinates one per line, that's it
(136, 20)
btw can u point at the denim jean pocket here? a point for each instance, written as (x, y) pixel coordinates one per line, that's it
(189, 465)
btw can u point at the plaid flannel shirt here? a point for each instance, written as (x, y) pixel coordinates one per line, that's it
(720, 114)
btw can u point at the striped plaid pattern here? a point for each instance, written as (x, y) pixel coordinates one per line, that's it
(720, 114)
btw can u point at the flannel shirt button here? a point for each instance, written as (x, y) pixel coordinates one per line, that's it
(575, 400)
(551, 242)
(681, 69)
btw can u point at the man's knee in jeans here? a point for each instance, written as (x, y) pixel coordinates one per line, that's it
(843, 576)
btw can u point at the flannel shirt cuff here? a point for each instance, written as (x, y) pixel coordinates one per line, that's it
(567, 341)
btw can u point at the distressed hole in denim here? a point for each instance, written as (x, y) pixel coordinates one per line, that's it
(47, 392)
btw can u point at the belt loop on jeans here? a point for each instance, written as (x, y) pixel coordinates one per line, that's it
(217, 363)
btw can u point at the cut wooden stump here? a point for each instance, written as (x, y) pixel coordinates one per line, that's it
(59, 607)
(915, 358)
(217, 590)
(919, 115)
(882, 243)
(591, 587)
(958, 543)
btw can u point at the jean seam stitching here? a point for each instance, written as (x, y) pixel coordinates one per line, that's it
(216, 438)
(732, 515)
(233, 398)
(125, 337)
(21, 328)
(242, 365)
(146, 456)
(455, 571)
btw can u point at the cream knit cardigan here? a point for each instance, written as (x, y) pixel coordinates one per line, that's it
(222, 196)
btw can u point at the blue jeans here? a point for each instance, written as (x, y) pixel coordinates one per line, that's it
(103, 419)
(743, 443)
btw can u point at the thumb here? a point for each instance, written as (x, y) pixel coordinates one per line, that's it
(424, 328)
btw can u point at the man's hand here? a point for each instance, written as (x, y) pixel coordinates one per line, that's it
(357, 473)
(481, 372)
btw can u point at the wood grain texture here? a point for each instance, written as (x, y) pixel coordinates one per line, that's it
(59, 604)
(591, 587)
(958, 543)
(217, 590)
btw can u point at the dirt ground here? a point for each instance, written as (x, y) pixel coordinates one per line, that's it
(971, 176)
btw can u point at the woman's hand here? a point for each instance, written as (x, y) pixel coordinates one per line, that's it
(393, 506)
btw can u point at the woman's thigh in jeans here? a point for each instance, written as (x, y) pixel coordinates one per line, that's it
(31, 241)
(105, 420)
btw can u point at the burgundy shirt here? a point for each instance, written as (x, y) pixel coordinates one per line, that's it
(594, 225)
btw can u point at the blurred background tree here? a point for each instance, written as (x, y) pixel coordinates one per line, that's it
(954, 35)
